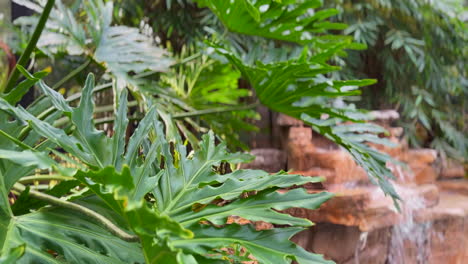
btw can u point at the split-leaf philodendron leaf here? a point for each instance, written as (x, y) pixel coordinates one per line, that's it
(154, 189)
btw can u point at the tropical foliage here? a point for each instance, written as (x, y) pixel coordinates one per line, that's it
(417, 50)
(156, 192)
(165, 196)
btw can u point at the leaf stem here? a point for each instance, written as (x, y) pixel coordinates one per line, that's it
(96, 89)
(187, 59)
(215, 111)
(71, 74)
(111, 119)
(99, 109)
(176, 116)
(79, 208)
(45, 178)
(31, 45)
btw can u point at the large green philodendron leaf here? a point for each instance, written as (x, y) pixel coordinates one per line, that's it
(57, 235)
(188, 182)
(287, 20)
(163, 193)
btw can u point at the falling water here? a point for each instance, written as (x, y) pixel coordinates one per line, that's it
(409, 238)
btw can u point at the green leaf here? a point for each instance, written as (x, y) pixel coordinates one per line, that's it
(121, 49)
(353, 138)
(186, 174)
(118, 191)
(27, 159)
(260, 207)
(120, 131)
(121, 191)
(91, 145)
(91, 139)
(5, 213)
(23, 87)
(189, 181)
(56, 98)
(288, 21)
(270, 246)
(138, 136)
(58, 136)
(283, 86)
(68, 234)
(13, 256)
(231, 186)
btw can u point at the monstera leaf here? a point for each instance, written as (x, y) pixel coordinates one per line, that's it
(161, 195)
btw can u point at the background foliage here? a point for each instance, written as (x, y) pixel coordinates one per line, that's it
(417, 50)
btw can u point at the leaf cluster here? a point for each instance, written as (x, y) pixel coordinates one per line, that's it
(148, 186)
(417, 50)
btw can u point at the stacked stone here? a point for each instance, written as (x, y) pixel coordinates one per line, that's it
(361, 225)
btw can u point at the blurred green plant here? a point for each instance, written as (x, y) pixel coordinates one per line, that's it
(204, 93)
(417, 50)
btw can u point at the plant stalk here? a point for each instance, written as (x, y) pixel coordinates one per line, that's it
(71, 74)
(111, 119)
(176, 116)
(96, 89)
(31, 45)
(215, 111)
(34, 178)
(79, 208)
(99, 109)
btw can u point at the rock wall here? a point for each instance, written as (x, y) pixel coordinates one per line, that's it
(360, 224)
